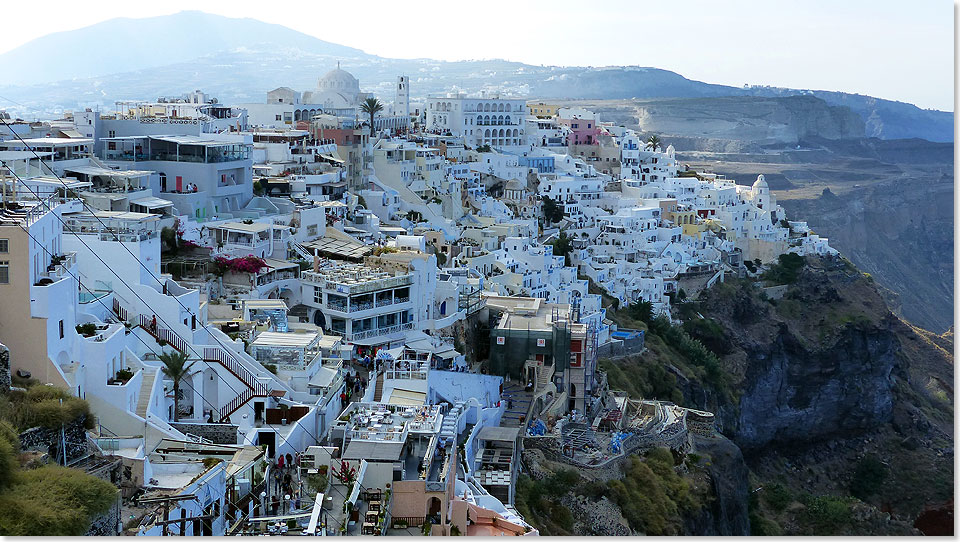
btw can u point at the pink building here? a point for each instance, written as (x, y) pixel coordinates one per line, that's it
(583, 126)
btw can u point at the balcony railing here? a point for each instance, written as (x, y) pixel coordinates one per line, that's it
(381, 331)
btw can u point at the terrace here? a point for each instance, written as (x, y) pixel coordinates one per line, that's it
(174, 149)
(120, 226)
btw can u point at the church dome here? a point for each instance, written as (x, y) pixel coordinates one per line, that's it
(338, 80)
(760, 184)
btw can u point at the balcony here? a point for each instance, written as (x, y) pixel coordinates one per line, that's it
(59, 266)
(381, 331)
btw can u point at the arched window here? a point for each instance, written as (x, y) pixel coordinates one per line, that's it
(508, 119)
(515, 132)
(486, 133)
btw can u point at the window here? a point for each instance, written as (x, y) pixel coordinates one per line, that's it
(61, 329)
(4, 246)
(279, 117)
(112, 133)
(4, 272)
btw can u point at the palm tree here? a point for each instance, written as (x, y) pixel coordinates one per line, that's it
(175, 367)
(653, 142)
(371, 106)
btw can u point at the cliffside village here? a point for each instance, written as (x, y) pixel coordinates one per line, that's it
(288, 321)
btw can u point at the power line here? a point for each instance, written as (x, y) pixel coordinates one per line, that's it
(135, 257)
(188, 344)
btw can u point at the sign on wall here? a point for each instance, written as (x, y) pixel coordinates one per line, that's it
(501, 340)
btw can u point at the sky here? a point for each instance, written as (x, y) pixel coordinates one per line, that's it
(889, 49)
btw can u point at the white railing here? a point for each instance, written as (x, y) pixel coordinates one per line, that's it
(381, 331)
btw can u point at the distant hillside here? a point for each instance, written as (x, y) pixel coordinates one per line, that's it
(238, 60)
(124, 45)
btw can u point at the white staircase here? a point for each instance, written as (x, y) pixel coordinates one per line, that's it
(451, 421)
(146, 389)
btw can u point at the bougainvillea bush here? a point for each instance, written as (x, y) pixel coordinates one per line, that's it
(245, 264)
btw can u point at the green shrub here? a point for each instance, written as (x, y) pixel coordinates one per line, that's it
(826, 515)
(87, 329)
(651, 495)
(763, 526)
(786, 270)
(868, 477)
(9, 446)
(53, 501)
(777, 497)
(41, 406)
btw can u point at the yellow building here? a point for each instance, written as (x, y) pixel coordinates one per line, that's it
(542, 110)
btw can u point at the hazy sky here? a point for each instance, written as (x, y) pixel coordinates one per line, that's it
(886, 48)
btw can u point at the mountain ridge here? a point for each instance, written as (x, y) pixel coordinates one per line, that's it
(239, 59)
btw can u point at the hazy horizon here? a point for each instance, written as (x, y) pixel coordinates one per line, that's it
(816, 45)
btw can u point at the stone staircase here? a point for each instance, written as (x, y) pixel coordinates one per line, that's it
(146, 387)
(378, 390)
(544, 377)
(448, 427)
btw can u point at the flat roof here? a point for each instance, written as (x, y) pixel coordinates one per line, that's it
(279, 264)
(152, 203)
(256, 227)
(323, 378)
(21, 155)
(276, 338)
(125, 215)
(375, 451)
(70, 182)
(105, 172)
(499, 434)
(402, 397)
(47, 141)
(263, 304)
(339, 247)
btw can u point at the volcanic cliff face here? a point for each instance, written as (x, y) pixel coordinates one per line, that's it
(819, 362)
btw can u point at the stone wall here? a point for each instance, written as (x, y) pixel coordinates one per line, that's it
(218, 433)
(4, 369)
(106, 524)
(48, 440)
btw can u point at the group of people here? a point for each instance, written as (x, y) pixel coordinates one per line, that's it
(355, 386)
(284, 480)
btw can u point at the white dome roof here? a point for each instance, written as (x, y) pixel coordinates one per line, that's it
(340, 81)
(760, 184)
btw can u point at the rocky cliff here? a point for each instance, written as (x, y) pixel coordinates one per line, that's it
(843, 411)
(817, 363)
(751, 118)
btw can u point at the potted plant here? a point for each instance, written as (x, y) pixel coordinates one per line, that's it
(124, 375)
(284, 412)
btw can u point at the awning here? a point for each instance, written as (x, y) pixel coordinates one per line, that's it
(332, 158)
(402, 397)
(373, 450)
(152, 203)
(323, 378)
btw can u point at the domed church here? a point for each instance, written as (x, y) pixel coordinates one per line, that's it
(338, 89)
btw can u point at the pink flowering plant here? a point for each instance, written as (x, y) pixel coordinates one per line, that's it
(245, 264)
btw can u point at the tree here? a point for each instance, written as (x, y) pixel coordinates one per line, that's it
(653, 142)
(552, 210)
(561, 247)
(175, 367)
(371, 106)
